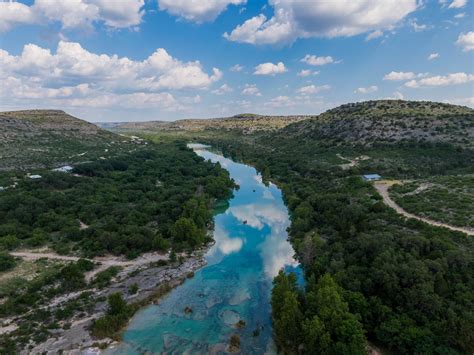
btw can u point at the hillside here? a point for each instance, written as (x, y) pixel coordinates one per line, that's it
(389, 121)
(38, 138)
(245, 123)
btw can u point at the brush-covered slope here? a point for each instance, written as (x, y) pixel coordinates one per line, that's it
(389, 121)
(43, 138)
(245, 123)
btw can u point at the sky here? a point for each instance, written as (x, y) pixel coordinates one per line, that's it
(138, 60)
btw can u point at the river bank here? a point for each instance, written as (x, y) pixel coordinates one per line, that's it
(151, 280)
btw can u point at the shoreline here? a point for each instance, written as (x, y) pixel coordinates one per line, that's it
(153, 283)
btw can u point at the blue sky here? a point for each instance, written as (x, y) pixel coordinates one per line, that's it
(133, 60)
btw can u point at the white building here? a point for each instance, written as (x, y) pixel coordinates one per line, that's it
(64, 169)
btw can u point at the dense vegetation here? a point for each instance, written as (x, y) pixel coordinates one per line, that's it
(448, 199)
(319, 319)
(151, 199)
(117, 315)
(410, 285)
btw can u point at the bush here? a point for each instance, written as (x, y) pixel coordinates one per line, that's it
(7, 262)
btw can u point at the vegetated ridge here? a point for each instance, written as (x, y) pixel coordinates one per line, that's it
(246, 123)
(389, 121)
(38, 138)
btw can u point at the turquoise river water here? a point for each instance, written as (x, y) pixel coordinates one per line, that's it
(250, 248)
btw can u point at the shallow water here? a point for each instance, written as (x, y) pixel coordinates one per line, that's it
(250, 248)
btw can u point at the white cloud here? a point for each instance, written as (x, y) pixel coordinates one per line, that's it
(466, 41)
(280, 101)
(398, 76)
(418, 27)
(251, 90)
(270, 69)
(317, 61)
(367, 90)
(72, 13)
(82, 78)
(236, 68)
(433, 56)
(307, 72)
(14, 13)
(224, 89)
(460, 15)
(456, 4)
(373, 35)
(441, 80)
(397, 95)
(466, 101)
(303, 19)
(312, 89)
(198, 11)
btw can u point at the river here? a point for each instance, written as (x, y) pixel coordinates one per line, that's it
(250, 248)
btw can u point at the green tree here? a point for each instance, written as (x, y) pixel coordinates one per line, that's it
(7, 261)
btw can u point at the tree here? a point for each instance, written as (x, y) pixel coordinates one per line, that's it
(288, 325)
(7, 262)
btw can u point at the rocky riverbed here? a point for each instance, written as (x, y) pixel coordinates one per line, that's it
(151, 282)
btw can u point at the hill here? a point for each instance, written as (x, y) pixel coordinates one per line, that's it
(245, 123)
(389, 121)
(40, 138)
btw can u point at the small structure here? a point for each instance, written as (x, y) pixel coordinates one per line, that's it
(64, 169)
(35, 177)
(371, 177)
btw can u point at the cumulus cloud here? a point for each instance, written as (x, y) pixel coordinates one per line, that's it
(312, 89)
(307, 72)
(197, 11)
(317, 61)
(433, 56)
(398, 76)
(224, 89)
(367, 90)
(251, 90)
(72, 13)
(466, 41)
(14, 13)
(441, 80)
(79, 77)
(270, 69)
(303, 19)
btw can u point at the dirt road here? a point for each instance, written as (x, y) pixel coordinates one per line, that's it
(104, 262)
(382, 188)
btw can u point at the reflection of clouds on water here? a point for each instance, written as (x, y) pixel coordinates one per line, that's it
(267, 195)
(275, 250)
(258, 178)
(259, 215)
(225, 244)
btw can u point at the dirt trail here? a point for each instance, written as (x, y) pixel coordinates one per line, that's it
(382, 188)
(105, 261)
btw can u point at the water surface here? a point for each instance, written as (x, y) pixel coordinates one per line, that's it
(250, 248)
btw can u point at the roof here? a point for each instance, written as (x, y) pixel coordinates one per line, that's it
(65, 168)
(34, 176)
(372, 176)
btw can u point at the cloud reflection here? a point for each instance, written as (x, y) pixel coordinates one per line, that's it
(275, 250)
